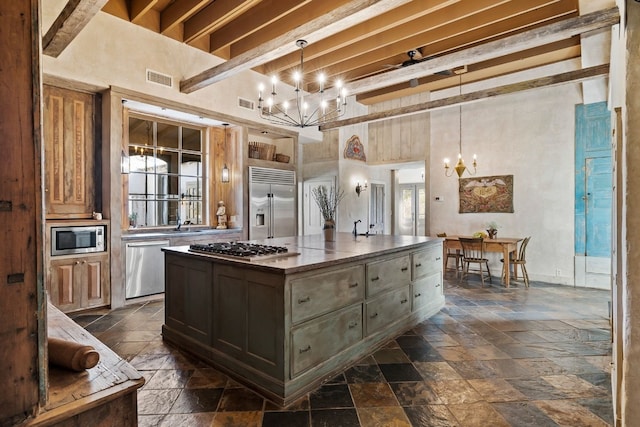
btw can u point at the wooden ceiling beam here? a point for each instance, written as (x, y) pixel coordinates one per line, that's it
(530, 58)
(138, 8)
(507, 45)
(550, 81)
(414, 11)
(354, 12)
(216, 14)
(447, 39)
(75, 15)
(449, 22)
(258, 17)
(290, 22)
(179, 11)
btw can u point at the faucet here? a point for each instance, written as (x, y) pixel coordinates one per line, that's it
(355, 227)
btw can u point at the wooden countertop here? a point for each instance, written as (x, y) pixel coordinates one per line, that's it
(314, 252)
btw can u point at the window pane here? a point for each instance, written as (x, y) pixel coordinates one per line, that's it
(167, 162)
(139, 162)
(193, 212)
(167, 186)
(191, 188)
(140, 132)
(167, 135)
(191, 164)
(142, 184)
(142, 212)
(191, 139)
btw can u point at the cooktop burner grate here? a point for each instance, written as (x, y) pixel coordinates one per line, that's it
(239, 250)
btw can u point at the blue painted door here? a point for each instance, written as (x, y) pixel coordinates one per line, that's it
(598, 211)
(593, 191)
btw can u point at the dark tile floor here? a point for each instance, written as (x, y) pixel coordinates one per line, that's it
(491, 357)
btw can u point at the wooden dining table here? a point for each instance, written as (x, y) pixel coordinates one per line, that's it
(504, 245)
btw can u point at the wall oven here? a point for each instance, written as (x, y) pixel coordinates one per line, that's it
(78, 239)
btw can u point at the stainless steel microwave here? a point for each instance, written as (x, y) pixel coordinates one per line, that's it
(79, 239)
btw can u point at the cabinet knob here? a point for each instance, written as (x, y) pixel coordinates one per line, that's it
(304, 350)
(77, 262)
(438, 258)
(373, 315)
(353, 325)
(373, 279)
(303, 300)
(353, 285)
(438, 285)
(404, 301)
(418, 265)
(417, 295)
(404, 268)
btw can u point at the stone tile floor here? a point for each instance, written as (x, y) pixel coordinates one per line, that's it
(491, 357)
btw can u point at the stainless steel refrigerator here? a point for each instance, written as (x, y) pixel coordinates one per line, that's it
(272, 203)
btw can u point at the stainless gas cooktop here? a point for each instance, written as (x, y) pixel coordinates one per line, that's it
(242, 250)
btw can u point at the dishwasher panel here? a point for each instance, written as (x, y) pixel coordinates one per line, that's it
(145, 268)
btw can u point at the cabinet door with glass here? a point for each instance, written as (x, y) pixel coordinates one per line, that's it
(165, 173)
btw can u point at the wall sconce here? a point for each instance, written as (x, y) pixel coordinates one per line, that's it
(360, 189)
(225, 173)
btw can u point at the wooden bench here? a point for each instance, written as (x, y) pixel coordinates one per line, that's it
(104, 395)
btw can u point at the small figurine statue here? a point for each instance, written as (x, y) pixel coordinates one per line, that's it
(222, 216)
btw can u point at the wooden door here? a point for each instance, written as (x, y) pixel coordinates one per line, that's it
(593, 196)
(376, 210)
(70, 147)
(411, 212)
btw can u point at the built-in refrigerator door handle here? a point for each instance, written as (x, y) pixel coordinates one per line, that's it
(271, 225)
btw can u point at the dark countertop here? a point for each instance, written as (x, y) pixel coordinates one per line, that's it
(314, 252)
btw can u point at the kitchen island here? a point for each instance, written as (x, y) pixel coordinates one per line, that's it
(282, 324)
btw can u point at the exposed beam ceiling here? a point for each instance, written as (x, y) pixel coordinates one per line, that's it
(366, 42)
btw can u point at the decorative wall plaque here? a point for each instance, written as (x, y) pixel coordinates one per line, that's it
(354, 149)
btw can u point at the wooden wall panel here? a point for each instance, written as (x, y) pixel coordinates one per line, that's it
(21, 312)
(402, 139)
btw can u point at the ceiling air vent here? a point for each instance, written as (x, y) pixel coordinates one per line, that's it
(159, 78)
(245, 103)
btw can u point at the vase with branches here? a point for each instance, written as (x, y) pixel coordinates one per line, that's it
(328, 200)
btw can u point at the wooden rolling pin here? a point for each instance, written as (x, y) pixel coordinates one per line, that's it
(71, 355)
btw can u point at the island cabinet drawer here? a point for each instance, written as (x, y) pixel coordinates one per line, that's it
(427, 291)
(386, 309)
(426, 262)
(318, 340)
(388, 274)
(315, 295)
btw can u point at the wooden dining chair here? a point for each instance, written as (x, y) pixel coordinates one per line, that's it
(473, 253)
(521, 261)
(452, 253)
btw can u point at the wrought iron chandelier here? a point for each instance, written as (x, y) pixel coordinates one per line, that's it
(460, 167)
(297, 112)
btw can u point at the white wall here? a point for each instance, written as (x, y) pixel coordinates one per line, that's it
(114, 52)
(529, 135)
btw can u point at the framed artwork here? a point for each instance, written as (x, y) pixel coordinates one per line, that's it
(354, 149)
(486, 194)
